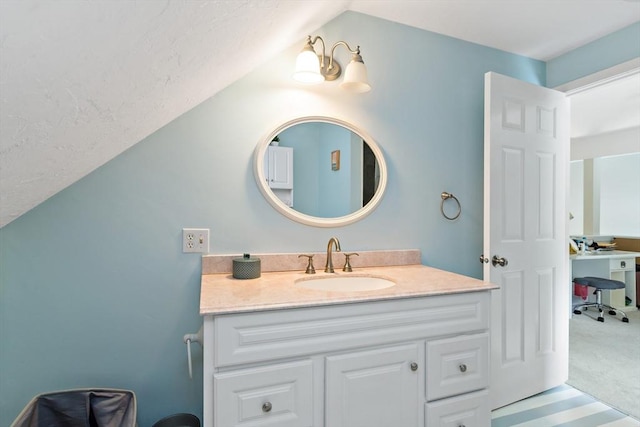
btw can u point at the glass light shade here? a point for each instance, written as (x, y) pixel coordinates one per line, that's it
(308, 67)
(355, 77)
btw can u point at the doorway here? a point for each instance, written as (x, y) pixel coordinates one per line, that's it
(605, 128)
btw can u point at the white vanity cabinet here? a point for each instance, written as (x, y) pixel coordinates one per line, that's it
(420, 361)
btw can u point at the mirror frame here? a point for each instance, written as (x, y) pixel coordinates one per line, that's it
(258, 170)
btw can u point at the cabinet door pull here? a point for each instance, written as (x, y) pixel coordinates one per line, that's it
(463, 367)
(266, 407)
(414, 366)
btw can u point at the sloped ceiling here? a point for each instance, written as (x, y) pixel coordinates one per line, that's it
(80, 82)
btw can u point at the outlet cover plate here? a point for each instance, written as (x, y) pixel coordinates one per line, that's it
(195, 240)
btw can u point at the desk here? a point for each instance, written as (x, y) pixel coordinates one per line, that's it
(616, 265)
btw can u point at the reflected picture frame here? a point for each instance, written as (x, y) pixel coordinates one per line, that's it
(335, 160)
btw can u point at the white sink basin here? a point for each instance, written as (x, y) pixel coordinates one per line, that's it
(346, 283)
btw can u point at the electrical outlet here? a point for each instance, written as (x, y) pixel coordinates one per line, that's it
(195, 240)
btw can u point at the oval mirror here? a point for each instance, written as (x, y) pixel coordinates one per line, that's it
(320, 171)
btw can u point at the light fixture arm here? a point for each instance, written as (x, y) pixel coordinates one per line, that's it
(313, 42)
(313, 68)
(355, 51)
(333, 70)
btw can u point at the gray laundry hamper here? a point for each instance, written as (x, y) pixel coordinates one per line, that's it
(178, 420)
(80, 408)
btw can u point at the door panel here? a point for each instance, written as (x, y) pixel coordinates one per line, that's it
(511, 316)
(512, 189)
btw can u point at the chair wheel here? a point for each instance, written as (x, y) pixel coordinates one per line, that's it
(625, 319)
(612, 312)
(600, 319)
(577, 312)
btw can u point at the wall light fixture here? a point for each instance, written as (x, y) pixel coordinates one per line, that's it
(312, 68)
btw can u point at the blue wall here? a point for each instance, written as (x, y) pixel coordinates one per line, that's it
(95, 290)
(335, 188)
(614, 49)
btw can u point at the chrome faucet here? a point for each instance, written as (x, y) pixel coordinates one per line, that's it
(328, 268)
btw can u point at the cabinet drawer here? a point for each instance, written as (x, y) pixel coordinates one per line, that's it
(626, 264)
(272, 395)
(469, 410)
(457, 365)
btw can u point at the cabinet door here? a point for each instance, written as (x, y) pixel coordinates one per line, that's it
(280, 172)
(375, 388)
(279, 395)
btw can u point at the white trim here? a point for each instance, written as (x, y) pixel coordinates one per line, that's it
(615, 143)
(601, 77)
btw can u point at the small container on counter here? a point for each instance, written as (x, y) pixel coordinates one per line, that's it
(246, 267)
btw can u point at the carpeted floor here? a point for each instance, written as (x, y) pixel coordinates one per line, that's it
(604, 359)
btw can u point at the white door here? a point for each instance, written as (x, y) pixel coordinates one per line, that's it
(525, 217)
(280, 171)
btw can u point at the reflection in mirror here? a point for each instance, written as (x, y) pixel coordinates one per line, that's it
(320, 171)
(335, 172)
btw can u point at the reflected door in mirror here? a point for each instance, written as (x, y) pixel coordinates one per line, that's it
(278, 166)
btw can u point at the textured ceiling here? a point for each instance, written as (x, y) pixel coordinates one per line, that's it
(80, 82)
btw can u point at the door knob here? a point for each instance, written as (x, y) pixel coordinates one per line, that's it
(483, 260)
(414, 366)
(497, 260)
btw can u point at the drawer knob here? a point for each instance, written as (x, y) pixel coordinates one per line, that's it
(266, 407)
(623, 264)
(463, 367)
(414, 366)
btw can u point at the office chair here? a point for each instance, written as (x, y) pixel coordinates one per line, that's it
(600, 284)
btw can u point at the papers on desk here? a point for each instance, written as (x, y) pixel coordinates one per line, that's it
(602, 246)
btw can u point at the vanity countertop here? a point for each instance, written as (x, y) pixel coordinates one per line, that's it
(222, 294)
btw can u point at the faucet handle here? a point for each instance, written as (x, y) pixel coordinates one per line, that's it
(347, 264)
(310, 269)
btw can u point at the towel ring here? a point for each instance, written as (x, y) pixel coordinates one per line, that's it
(446, 196)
